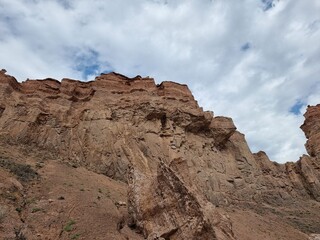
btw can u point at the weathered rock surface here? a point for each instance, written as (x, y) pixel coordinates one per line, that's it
(311, 128)
(188, 174)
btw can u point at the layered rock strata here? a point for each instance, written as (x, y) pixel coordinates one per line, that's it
(182, 165)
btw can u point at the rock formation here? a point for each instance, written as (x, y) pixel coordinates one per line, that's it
(167, 169)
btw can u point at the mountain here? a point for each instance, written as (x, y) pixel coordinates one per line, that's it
(124, 158)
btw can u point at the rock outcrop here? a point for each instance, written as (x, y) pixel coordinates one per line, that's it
(311, 128)
(188, 173)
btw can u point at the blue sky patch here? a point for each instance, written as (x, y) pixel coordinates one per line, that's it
(87, 63)
(296, 108)
(245, 46)
(267, 4)
(91, 69)
(108, 71)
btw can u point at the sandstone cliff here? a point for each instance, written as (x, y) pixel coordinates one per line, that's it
(142, 160)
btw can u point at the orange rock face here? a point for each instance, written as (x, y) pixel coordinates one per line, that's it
(167, 169)
(311, 128)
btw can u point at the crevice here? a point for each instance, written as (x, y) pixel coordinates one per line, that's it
(2, 109)
(163, 121)
(168, 234)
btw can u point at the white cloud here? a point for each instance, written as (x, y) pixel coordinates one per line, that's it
(244, 59)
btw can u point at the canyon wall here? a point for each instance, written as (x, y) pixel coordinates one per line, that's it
(187, 173)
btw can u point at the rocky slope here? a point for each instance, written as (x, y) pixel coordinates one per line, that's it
(124, 158)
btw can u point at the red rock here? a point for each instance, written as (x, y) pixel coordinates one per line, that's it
(189, 174)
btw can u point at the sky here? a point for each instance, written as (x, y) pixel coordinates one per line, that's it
(257, 61)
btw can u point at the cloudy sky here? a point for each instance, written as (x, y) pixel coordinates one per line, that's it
(257, 61)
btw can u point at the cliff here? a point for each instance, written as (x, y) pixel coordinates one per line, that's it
(139, 160)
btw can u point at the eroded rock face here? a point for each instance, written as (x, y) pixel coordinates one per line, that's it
(311, 128)
(173, 212)
(183, 167)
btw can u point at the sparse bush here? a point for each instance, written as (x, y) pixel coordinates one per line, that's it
(36, 210)
(69, 226)
(22, 171)
(75, 236)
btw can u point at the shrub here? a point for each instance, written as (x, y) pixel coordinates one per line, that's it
(36, 210)
(75, 236)
(69, 226)
(22, 171)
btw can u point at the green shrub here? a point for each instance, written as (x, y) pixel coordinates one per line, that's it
(36, 210)
(69, 226)
(23, 171)
(75, 236)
